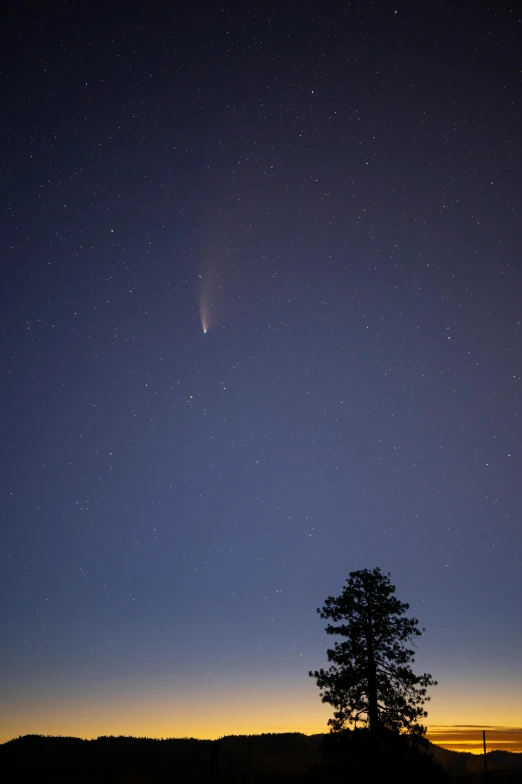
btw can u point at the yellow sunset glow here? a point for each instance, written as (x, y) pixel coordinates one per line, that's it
(222, 713)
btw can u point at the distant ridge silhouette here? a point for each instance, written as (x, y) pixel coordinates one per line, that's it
(276, 757)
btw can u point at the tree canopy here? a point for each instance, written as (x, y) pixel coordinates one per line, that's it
(370, 681)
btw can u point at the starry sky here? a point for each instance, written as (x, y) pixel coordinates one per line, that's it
(260, 313)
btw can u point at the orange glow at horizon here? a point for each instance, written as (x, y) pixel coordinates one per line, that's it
(166, 716)
(469, 738)
(215, 715)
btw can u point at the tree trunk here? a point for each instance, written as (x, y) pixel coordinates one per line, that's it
(373, 711)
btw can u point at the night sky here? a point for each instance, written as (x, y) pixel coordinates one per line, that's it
(333, 192)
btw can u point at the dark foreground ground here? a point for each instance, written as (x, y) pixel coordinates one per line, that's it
(258, 759)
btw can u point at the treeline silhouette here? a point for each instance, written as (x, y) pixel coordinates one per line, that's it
(271, 758)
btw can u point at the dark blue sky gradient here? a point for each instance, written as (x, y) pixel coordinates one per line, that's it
(337, 189)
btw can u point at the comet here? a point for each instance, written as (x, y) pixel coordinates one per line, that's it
(205, 302)
(209, 285)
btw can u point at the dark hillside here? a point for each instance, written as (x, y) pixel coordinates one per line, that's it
(273, 758)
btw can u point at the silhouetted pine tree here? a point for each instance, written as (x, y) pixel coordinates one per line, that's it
(370, 682)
